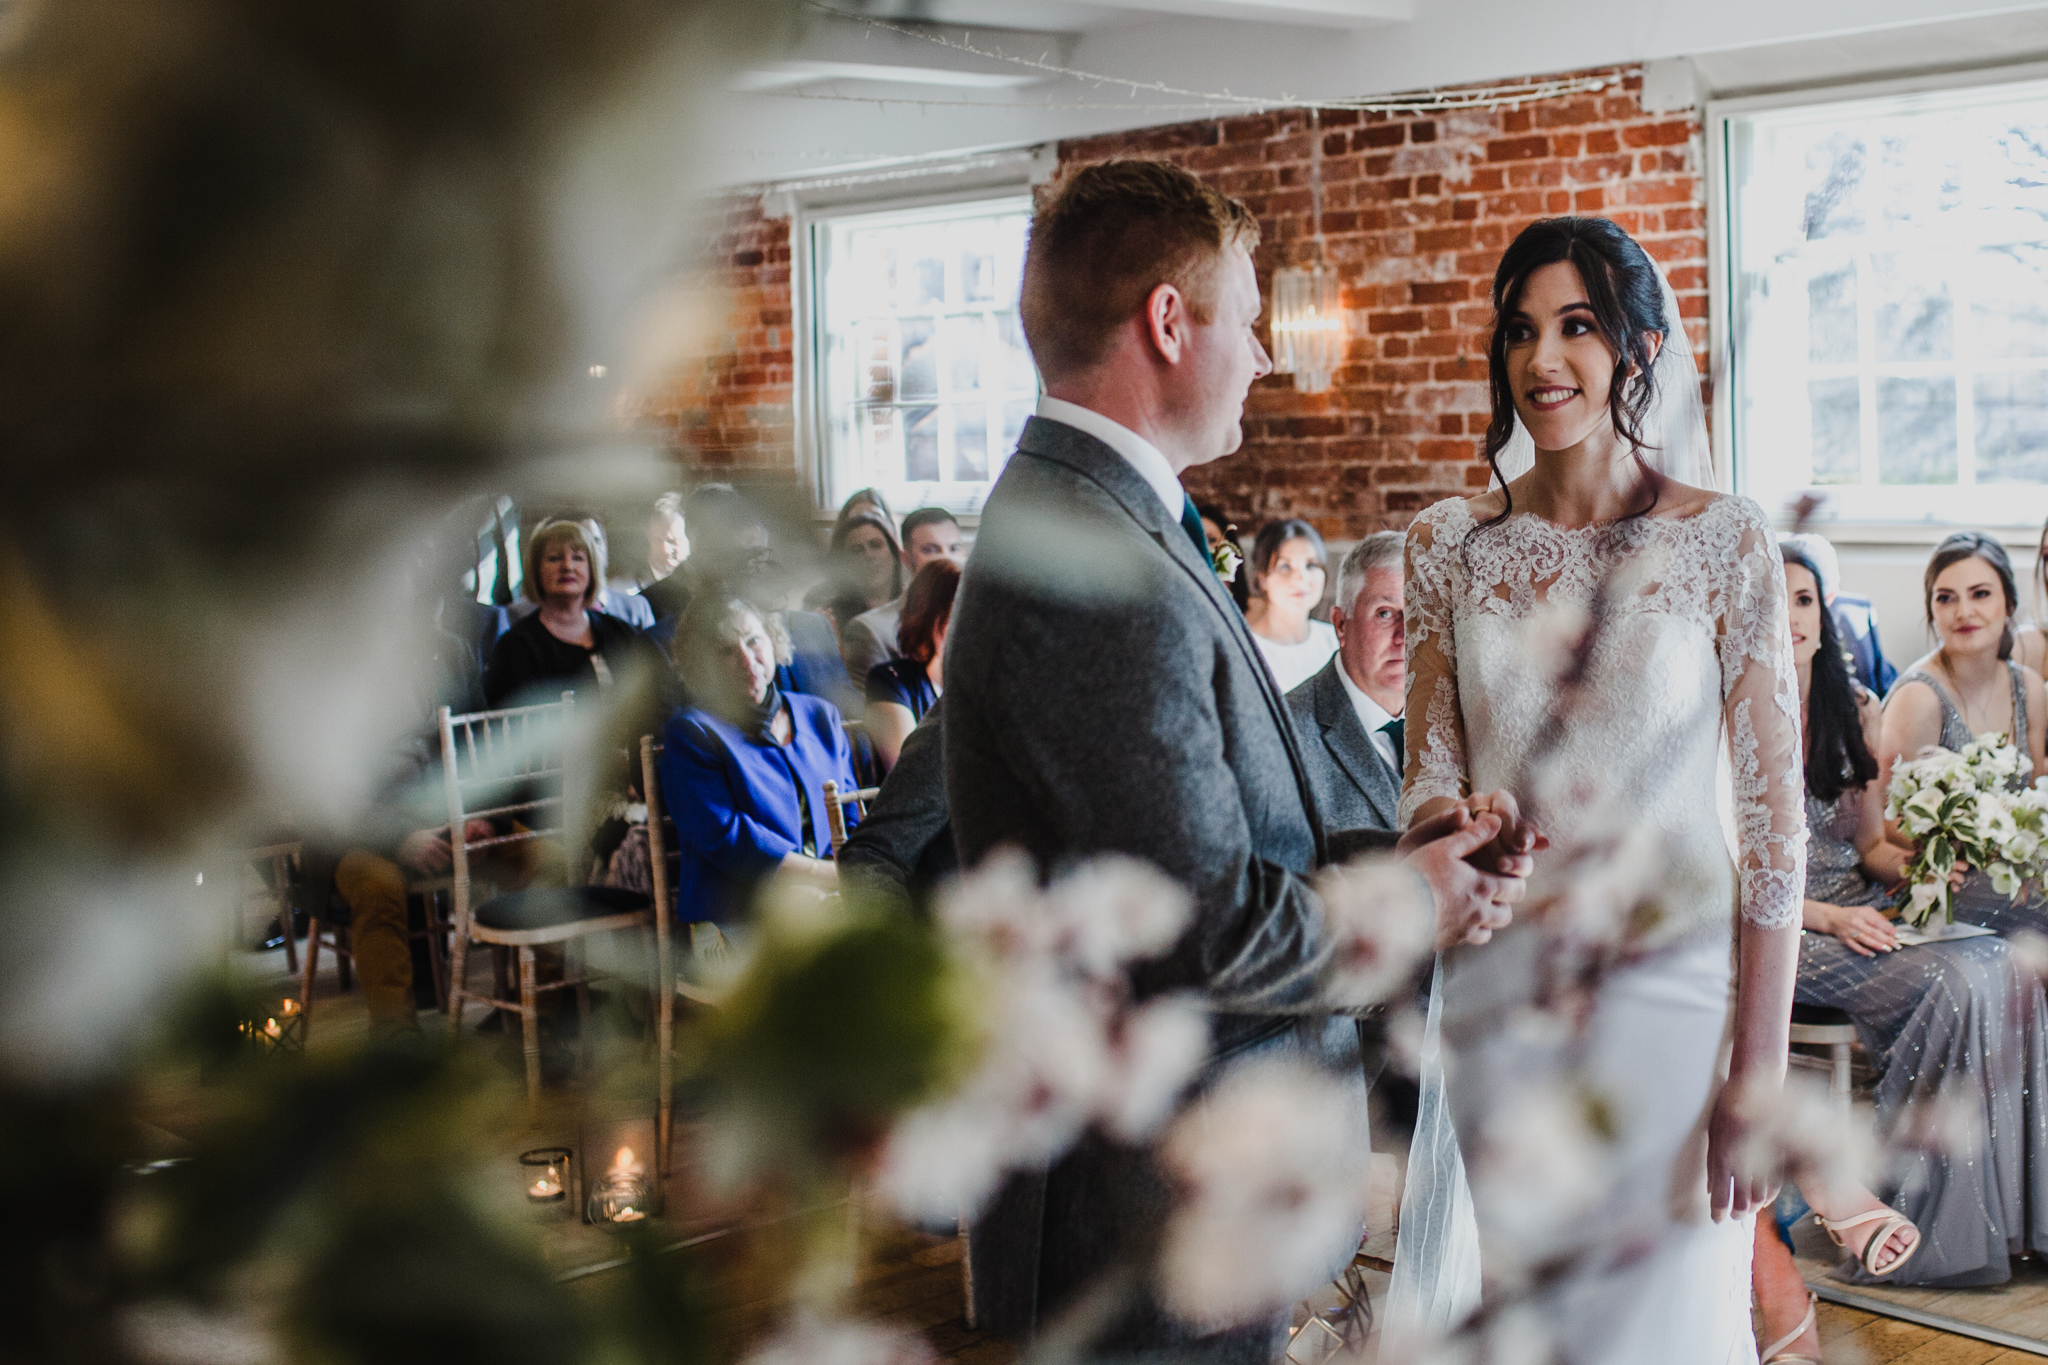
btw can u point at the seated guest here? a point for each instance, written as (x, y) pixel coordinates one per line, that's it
(1952, 1023)
(1288, 568)
(904, 847)
(668, 538)
(743, 771)
(730, 534)
(865, 565)
(901, 690)
(861, 502)
(1349, 713)
(1969, 687)
(868, 639)
(566, 645)
(1855, 616)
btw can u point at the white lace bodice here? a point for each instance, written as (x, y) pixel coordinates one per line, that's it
(1695, 638)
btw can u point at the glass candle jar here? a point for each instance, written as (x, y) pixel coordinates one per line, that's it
(546, 1171)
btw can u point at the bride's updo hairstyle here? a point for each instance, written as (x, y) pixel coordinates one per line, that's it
(1976, 545)
(1627, 302)
(1837, 757)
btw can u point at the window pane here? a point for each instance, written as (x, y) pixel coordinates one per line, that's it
(1911, 309)
(970, 441)
(2012, 427)
(930, 278)
(1916, 430)
(920, 361)
(2009, 300)
(1837, 430)
(1831, 317)
(1834, 170)
(963, 352)
(920, 445)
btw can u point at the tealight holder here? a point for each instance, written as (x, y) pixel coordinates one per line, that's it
(618, 1172)
(545, 1176)
(284, 1031)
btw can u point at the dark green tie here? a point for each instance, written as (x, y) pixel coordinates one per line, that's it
(1398, 733)
(1191, 522)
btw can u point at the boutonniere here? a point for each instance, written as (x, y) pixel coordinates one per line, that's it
(1226, 556)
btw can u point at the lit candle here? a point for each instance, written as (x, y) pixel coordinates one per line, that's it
(270, 1027)
(547, 1165)
(288, 1007)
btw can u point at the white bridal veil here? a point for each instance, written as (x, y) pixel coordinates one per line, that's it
(1435, 1284)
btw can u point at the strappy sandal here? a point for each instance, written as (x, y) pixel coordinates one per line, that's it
(1888, 1222)
(1775, 1353)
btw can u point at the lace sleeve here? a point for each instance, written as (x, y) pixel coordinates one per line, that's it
(1435, 759)
(1760, 701)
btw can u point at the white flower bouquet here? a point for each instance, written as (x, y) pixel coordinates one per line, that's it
(1959, 807)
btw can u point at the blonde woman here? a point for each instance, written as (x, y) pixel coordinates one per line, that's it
(567, 645)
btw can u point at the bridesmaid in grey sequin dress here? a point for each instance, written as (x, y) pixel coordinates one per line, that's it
(1955, 1021)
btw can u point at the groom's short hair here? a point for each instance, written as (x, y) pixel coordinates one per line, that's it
(1110, 234)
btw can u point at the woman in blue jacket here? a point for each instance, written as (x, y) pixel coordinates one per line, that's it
(743, 770)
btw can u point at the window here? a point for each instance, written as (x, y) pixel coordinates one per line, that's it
(1887, 284)
(921, 380)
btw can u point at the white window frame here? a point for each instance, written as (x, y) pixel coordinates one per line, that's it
(826, 471)
(1916, 511)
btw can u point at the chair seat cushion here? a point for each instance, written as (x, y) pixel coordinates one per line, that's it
(549, 907)
(1821, 1014)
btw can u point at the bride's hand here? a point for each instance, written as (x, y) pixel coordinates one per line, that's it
(1734, 1189)
(1518, 839)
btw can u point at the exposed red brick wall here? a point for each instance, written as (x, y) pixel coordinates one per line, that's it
(732, 413)
(1416, 211)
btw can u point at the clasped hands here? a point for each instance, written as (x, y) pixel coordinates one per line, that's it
(1476, 857)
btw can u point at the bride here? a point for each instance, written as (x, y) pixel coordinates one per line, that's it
(1584, 636)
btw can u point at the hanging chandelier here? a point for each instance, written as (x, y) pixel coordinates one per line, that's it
(1308, 304)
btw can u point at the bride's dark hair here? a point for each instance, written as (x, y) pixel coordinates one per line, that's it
(1627, 302)
(1837, 757)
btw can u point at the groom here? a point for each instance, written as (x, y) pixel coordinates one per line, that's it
(1103, 695)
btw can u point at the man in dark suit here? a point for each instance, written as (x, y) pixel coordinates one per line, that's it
(1349, 714)
(1103, 695)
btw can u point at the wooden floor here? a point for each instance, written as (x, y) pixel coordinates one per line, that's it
(914, 1279)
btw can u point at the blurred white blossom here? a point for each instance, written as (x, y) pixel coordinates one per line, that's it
(1066, 1046)
(1381, 926)
(1540, 1167)
(1798, 1129)
(811, 1340)
(1275, 1178)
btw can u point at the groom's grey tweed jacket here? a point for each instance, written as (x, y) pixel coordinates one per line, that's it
(1104, 695)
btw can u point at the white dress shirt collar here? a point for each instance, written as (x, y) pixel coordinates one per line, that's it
(1371, 715)
(1138, 452)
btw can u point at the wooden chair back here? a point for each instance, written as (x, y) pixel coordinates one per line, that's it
(836, 803)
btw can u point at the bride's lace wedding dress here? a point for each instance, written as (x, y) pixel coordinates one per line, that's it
(1616, 746)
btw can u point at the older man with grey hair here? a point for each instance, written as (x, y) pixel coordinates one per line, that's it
(1349, 713)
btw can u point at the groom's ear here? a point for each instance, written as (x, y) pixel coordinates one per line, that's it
(1167, 320)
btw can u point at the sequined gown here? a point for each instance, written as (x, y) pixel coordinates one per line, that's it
(1695, 648)
(1954, 1024)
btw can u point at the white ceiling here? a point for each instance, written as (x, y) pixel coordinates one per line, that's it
(811, 109)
